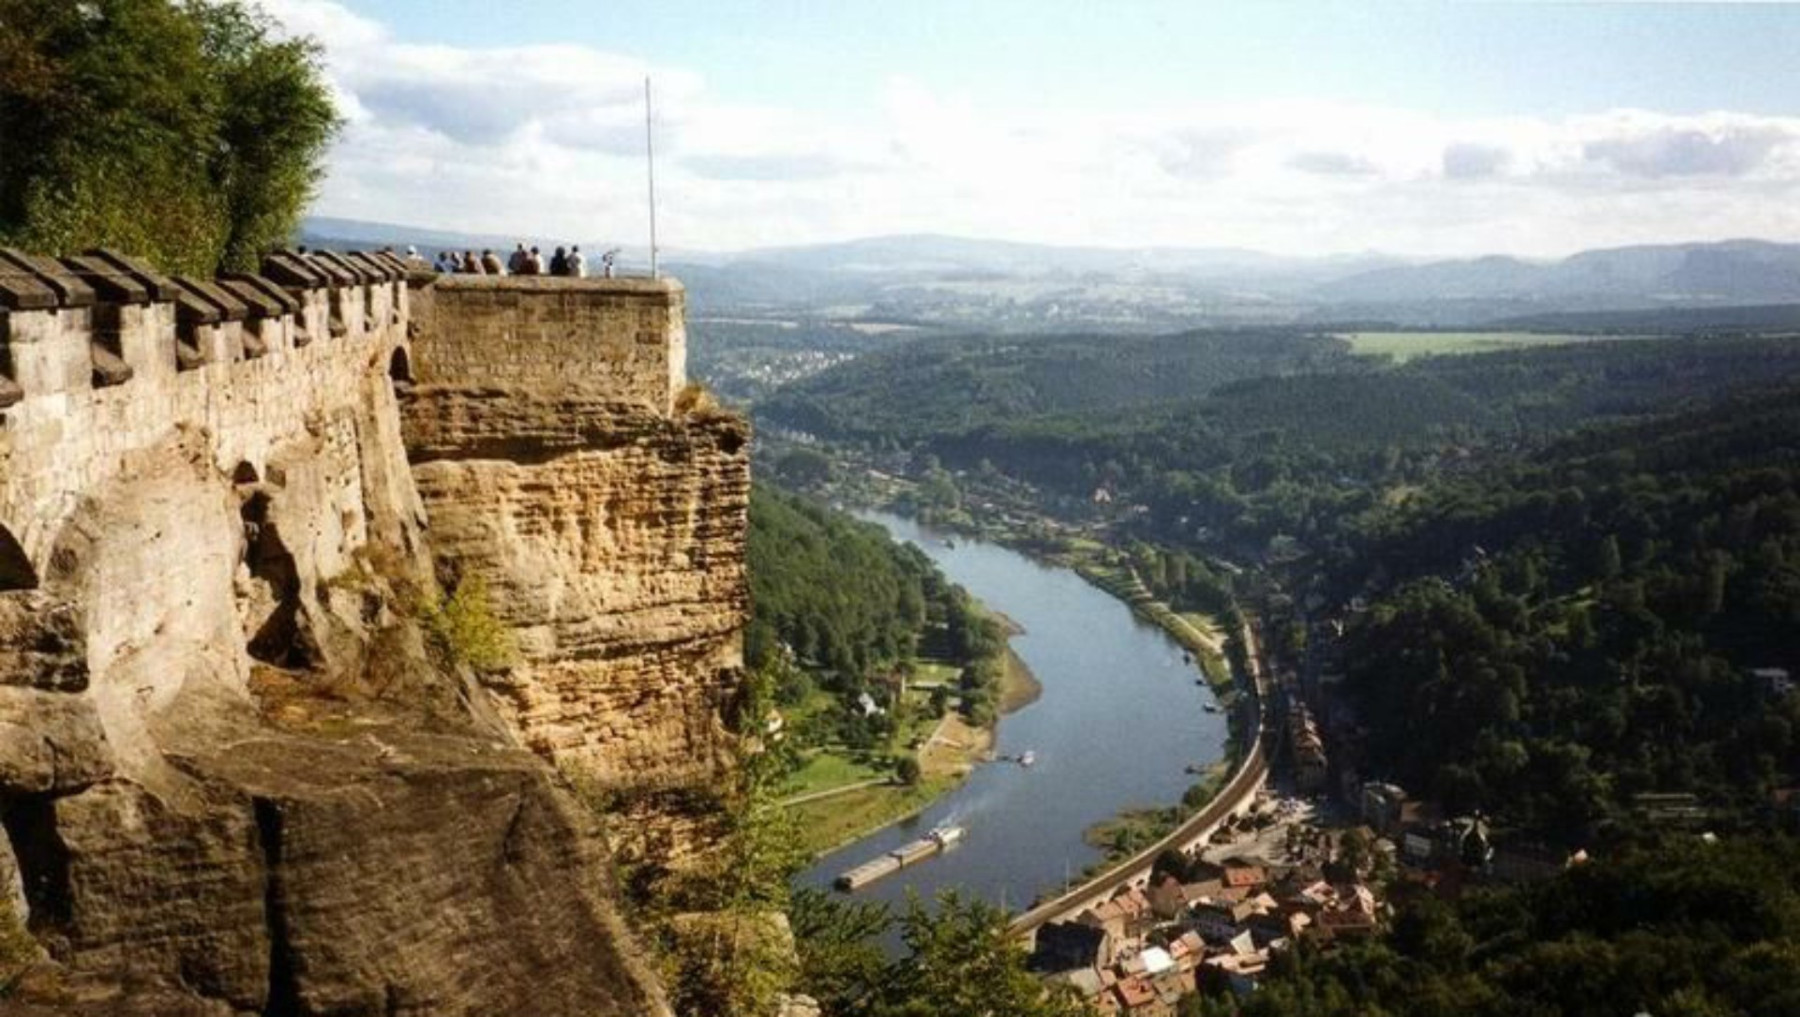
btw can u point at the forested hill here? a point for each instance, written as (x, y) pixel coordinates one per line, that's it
(1548, 638)
(1252, 435)
(838, 592)
(934, 387)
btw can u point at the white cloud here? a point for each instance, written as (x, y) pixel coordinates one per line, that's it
(548, 140)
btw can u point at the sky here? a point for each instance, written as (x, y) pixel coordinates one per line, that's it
(1446, 129)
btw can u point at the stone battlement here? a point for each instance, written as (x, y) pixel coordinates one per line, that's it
(72, 326)
(102, 358)
(101, 355)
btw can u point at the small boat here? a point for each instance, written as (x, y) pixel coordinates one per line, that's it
(950, 544)
(1028, 758)
(1211, 707)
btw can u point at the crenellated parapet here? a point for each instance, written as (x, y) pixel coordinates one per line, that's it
(75, 324)
(101, 357)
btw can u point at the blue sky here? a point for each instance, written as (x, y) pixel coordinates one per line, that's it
(1418, 128)
(1461, 58)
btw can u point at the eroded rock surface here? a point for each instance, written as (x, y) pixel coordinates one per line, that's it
(237, 777)
(610, 537)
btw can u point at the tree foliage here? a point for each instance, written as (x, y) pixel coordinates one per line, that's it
(959, 959)
(1562, 632)
(188, 132)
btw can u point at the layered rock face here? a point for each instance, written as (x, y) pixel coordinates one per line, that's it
(233, 780)
(606, 521)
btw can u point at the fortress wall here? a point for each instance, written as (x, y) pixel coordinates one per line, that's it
(99, 381)
(195, 475)
(624, 337)
(143, 415)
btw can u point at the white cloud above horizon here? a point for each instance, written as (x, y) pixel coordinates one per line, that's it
(547, 140)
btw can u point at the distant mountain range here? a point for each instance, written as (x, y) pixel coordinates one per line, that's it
(957, 281)
(1737, 271)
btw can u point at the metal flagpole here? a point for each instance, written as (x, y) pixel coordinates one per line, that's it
(650, 154)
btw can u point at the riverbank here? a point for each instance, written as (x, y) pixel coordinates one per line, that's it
(946, 757)
(956, 747)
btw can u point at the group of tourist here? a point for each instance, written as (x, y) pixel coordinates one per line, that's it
(524, 261)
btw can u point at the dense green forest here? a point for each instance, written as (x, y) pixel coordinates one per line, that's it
(838, 592)
(928, 389)
(1692, 928)
(1579, 625)
(850, 604)
(1302, 439)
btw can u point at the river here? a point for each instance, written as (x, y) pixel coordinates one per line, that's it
(1120, 718)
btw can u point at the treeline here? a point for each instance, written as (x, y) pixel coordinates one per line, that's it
(1183, 581)
(1696, 929)
(928, 389)
(848, 604)
(837, 592)
(1240, 438)
(189, 133)
(1559, 634)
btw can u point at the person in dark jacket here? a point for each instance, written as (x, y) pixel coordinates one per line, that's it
(516, 263)
(559, 262)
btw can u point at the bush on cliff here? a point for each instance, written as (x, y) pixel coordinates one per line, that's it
(464, 629)
(186, 132)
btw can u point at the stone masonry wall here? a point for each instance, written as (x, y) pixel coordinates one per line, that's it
(624, 337)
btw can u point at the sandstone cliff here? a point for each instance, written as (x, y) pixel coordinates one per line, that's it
(236, 777)
(608, 524)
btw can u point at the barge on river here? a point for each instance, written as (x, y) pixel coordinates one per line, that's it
(936, 842)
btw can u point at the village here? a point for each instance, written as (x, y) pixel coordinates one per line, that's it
(1316, 861)
(1268, 880)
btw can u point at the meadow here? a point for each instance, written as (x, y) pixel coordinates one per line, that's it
(1404, 346)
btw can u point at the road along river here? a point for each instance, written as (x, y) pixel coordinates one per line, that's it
(1121, 717)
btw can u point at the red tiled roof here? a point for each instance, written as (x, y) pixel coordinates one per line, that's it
(1244, 875)
(1135, 992)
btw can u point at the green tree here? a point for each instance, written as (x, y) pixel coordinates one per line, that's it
(962, 960)
(186, 131)
(907, 770)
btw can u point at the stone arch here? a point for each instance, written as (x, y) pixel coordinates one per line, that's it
(400, 366)
(16, 570)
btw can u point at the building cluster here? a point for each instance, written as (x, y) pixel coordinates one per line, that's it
(1144, 949)
(1305, 747)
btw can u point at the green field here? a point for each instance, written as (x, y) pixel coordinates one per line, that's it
(823, 770)
(1404, 346)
